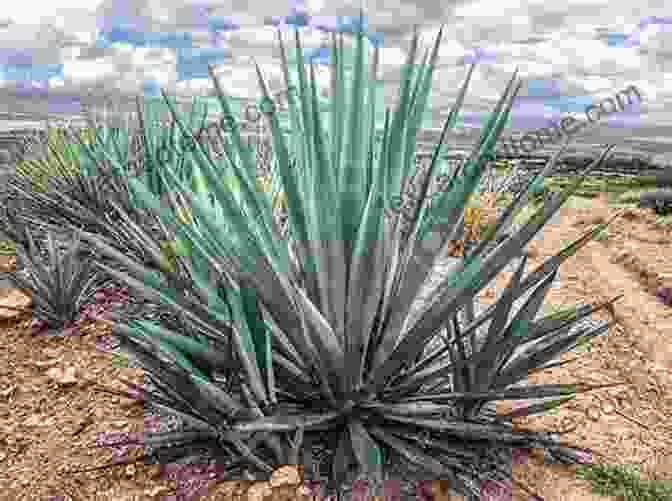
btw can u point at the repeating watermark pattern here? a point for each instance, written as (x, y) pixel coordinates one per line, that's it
(216, 130)
(568, 126)
(408, 202)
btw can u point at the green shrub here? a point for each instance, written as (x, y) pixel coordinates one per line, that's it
(624, 483)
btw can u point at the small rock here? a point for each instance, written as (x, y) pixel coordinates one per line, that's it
(258, 491)
(619, 257)
(568, 424)
(36, 420)
(284, 493)
(130, 470)
(285, 475)
(154, 471)
(607, 408)
(666, 279)
(157, 491)
(8, 392)
(15, 299)
(52, 352)
(46, 363)
(593, 414)
(63, 376)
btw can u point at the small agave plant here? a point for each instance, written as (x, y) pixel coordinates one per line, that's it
(58, 288)
(334, 341)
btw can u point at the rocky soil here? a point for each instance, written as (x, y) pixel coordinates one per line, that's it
(57, 393)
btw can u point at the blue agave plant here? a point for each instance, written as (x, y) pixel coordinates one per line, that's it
(334, 336)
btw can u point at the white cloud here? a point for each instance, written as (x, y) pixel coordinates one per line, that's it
(574, 42)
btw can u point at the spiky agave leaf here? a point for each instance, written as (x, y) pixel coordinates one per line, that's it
(59, 287)
(329, 326)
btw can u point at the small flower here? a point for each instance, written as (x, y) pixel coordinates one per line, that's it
(311, 487)
(71, 328)
(584, 457)
(496, 490)
(105, 343)
(38, 326)
(520, 455)
(152, 423)
(423, 490)
(360, 490)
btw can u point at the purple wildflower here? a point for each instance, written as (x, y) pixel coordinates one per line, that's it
(496, 490)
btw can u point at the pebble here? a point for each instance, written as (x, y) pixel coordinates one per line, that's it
(259, 491)
(286, 475)
(593, 413)
(130, 470)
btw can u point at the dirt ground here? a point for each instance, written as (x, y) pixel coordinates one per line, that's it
(54, 397)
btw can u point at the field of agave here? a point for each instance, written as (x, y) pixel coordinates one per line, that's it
(309, 325)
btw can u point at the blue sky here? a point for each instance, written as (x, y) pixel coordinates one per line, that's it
(56, 57)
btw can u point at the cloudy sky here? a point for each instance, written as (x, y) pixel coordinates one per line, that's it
(58, 58)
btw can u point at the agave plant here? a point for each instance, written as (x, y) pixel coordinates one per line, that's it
(59, 287)
(659, 200)
(336, 338)
(79, 198)
(53, 159)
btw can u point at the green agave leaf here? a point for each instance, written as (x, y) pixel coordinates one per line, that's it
(340, 464)
(518, 393)
(182, 361)
(413, 454)
(149, 286)
(199, 351)
(474, 277)
(518, 368)
(296, 446)
(365, 287)
(220, 398)
(454, 203)
(416, 409)
(279, 422)
(332, 291)
(413, 272)
(533, 409)
(502, 311)
(181, 392)
(401, 112)
(277, 305)
(323, 339)
(244, 342)
(426, 370)
(551, 264)
(259, 238)
(520, 326)
(366, 451)
(260, 334)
